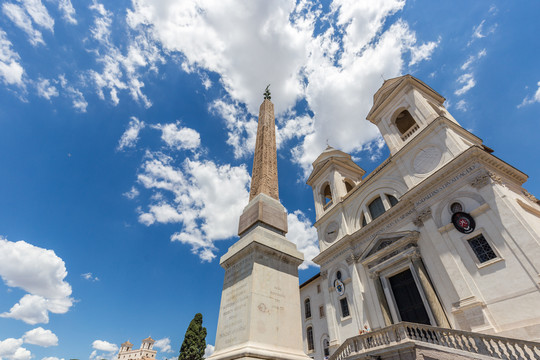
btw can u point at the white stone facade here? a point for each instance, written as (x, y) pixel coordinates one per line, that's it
(145, 352)
(389, 247)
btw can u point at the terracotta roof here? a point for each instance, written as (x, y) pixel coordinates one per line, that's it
(149, 339)
(127, 343)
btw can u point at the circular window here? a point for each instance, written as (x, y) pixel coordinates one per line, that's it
(456, 207)
(338, 275)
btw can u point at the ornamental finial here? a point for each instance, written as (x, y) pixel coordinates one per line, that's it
(267, 93)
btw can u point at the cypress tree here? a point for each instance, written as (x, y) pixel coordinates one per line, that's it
(194, 343)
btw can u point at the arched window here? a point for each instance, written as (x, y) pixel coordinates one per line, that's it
(405, 124)
(326, 196)
(309, 333)
(307, 308)
(348, 185)
(376, 208)
(393, 201)
(326, 347)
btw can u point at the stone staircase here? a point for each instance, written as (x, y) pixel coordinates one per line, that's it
(415, 341)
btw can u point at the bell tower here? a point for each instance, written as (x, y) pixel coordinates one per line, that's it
(259, 315)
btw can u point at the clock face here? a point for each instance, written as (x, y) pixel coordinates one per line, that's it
(331, 232)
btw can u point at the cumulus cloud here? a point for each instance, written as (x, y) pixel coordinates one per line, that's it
(304, 235)
(11, 349)
(347, 58)
(423, 52)
(206, 198)
(131, 135)
(209, 350)
(46, 89)
(132, 193)
(178, 137)
(103, 350)
(40, 336)
(531, 99)
(11, 72)
(52, 358)
(39, 272)
(21, 19)
(164, 345)
(241, 126)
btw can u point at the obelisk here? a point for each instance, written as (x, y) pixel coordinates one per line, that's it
(259, 316)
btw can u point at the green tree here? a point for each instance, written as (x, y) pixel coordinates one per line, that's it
(194, 341)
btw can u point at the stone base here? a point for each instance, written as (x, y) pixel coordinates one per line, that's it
(259, 315)
(266, 210)
(257, 351)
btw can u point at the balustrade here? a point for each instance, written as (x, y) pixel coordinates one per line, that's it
(475, 343)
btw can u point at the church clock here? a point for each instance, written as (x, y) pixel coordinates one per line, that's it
(331, 232)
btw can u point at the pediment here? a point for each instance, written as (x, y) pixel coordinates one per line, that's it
(388, 245)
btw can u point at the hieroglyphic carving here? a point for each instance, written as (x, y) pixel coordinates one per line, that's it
(264, 178)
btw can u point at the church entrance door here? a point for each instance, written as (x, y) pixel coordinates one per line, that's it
(408, 299)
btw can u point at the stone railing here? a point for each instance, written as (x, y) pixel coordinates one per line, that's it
(464, 341)
(409, 132)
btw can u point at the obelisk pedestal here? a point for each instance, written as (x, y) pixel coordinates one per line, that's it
(259, 316)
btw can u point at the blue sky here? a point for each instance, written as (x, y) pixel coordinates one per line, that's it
(127, 130)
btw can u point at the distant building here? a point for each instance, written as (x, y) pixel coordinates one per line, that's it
(145, 352)
(442, 233)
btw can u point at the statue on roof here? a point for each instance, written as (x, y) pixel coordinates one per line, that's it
(267, 93)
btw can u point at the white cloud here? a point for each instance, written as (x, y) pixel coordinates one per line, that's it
(304, 235)
(349, 57)
(205, 197)
(90, 277)
(461, 105)
(77, 98)
(103, 350)
(39, 13)
(132, 193)
(11, 72)
(531, 99)
(209, 350)
(66, 7)
(131, 135)
(121, 71)
(242, 128)
(164, 345)
(45, 89)
(11, 349)
(39, 272)
(52, 358)
(423, 52)
(102, 345)
(19, 17)
(472, 59)
(40, 336)
(468, 83)
(179, 137)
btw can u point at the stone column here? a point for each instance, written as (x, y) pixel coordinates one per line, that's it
(382, 299)
(431, 295)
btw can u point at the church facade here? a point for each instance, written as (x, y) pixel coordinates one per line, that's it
(442, 233)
